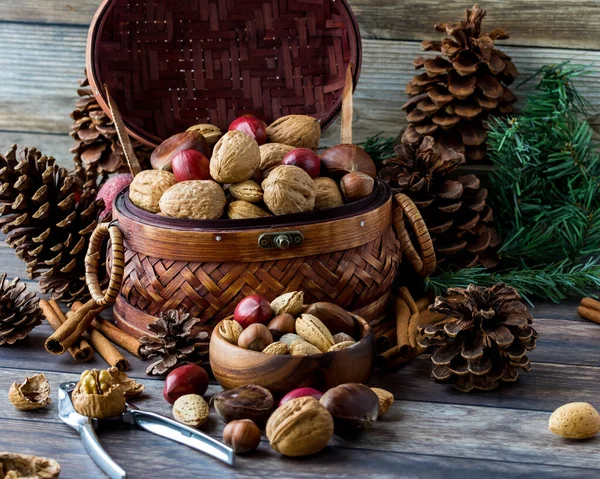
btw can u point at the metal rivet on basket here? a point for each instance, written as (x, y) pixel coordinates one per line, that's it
(218, 238)
(362, 223)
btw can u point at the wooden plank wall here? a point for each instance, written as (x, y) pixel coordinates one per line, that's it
(42, 45)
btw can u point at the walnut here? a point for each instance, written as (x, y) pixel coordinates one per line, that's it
(211, 133)
(96, 396)
(230, 330)
(32, 393)
(271, 155)
(247, 190)
(242, 210)
(328, 194)
(235, 158)
(147, 188)
(289, 189)
(194, 199)
(130, 387)
(299, 131)
(300, 427)
(13, 466)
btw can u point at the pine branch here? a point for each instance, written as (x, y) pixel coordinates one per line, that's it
(379, 148)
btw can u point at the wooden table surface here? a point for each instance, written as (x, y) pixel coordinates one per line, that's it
(432, 430)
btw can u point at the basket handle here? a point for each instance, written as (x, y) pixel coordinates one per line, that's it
(424, 264)
(92, 263)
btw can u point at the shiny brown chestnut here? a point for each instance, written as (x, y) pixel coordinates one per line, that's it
(162, 157)
(255, 337)
(354, 407)
(242, 435)
(342, 159)
(246, 402)
(282, 324)
(356, 186)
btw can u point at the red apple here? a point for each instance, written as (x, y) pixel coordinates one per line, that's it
(191, 165)
(299, 393)
(252, 126)
(253, 309)
(188, 379)
(304, 158)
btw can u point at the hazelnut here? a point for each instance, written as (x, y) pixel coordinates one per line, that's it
(96, 396)
(32, 393)
(245, 402)
(255, 337)
(282, 324)
(162, 157)
(356, 185)
(230, 330)
(386, 399)
(191, 410)
(300, 427)
(328, 194)
(242, 436)
(290, 303)
(354, 407)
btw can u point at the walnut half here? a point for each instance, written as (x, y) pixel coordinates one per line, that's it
(32, 393)
(21, 465)
(97, 396)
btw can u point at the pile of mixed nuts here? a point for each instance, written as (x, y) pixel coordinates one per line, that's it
(252, 171)
(287, 326)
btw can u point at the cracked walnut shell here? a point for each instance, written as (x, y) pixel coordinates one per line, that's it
(32, 393)
(289, 189)
(13, 466)
(300, 427)
(194, 199)
(235, 158)
(147, 188)
(96, 396)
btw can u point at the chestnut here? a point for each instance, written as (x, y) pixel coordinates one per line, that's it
(342, 159)
(162, 157)
(356, 186)
(299, 393)
(354, 407)
(304, 158)
(242, 435)
(245, 402)
(190, 165)
(253, 309)
(252, 126)
(255, 337)
(282, 324)
(187, 379)
(334, 317)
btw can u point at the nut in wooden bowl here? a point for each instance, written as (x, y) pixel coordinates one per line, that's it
(235, 158)
(147, 188)
(233, 366)
(314, 331)
(194, 199)
(288, 303)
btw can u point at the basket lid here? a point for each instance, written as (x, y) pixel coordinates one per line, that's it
(171, 64)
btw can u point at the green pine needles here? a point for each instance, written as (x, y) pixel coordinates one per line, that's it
(545, 195)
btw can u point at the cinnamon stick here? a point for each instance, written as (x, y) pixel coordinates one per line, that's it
(590, 303)
(81, 351)
(423, 303)
(414, 314)
(403, 314)
(387, 339)
(102, 345)
(114, 334)
(71, 330)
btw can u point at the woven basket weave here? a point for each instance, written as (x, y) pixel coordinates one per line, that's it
(172, 64)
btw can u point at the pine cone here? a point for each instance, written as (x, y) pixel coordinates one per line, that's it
(97, 149)
(48, 217)
(180, 339)
(454, 210)
(461, 88)
(19, 311)
(484, 341)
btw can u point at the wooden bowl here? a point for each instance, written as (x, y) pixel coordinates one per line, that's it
(234, 366)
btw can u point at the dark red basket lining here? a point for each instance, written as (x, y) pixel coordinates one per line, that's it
(312, 41)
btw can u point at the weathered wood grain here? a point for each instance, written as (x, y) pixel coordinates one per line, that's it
(493, 433)
(529, 22)
(40, 66)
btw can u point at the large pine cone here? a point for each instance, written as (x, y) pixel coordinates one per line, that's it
(97, 147)
(453, 207)
(178, 339)
(19, 311)
(486, 339)
(461, 88)
(48, 216)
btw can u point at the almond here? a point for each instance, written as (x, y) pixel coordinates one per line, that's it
(191, 410)
(339, 346)
(276, 348)
(302, 348)
(314, 331)
(290, 303)
(576, 420)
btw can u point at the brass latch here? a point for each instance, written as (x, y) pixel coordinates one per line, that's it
(281, 240)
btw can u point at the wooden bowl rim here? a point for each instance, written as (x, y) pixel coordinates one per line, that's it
(367, 335)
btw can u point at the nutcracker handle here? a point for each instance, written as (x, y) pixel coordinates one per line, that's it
(92, 263)
(424, 263)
